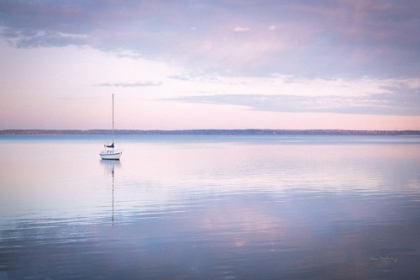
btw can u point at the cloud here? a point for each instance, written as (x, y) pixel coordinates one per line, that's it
(240, 29)
(180, 77)
(312, 38)
(395, 100)
(146, 84)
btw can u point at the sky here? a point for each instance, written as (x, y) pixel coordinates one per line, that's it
(222, 64)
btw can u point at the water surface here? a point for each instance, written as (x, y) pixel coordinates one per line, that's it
(210, 207)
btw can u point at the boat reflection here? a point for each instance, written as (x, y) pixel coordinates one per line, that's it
(109, 170)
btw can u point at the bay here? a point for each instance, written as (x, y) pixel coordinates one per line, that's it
(210, 207)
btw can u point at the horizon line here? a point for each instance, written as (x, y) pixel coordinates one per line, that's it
(249, 131)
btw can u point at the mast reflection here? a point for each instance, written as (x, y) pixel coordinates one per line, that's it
(109, 170)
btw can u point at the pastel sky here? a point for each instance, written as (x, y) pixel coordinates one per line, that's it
(222, 64)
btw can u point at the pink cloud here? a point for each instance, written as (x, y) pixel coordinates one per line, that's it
(240, 29)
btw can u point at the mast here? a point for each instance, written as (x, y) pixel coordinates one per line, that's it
(112, 121)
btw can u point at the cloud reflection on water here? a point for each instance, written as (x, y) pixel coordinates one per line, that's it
(244, 208)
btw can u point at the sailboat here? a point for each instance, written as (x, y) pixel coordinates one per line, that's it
(109, 152)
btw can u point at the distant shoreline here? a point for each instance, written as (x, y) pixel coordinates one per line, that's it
(208, 132)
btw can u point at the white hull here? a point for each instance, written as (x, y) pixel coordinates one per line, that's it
(115, 155)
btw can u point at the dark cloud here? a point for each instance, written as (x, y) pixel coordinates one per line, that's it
(324, 38)
(398, 100)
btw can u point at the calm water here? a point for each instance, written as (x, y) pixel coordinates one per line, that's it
(210, 207)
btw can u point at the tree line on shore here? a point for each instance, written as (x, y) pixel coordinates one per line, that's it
(208, 132)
